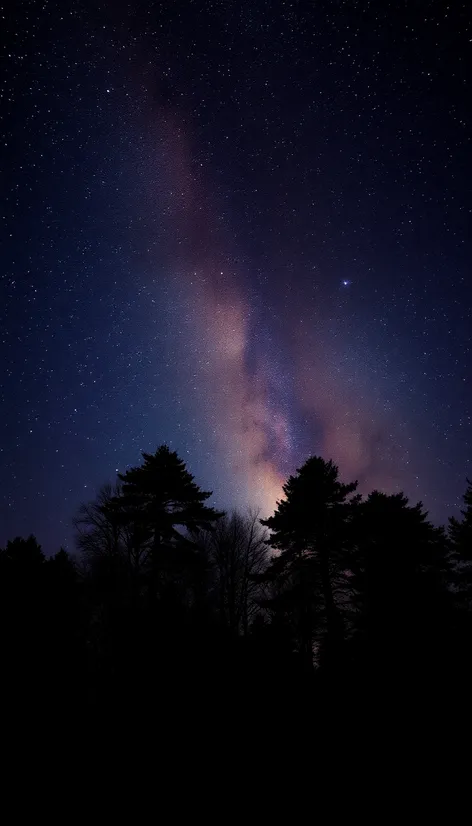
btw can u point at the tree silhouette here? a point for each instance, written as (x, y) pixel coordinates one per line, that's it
(399, 578)
(157, 498)
(311, 530)
(22, 577)
(237, 553)
(107, 537)
(146, 613)
(39, 618)
(63, 652)
(460, 537)
(330, 591)
(23, 555)
(161, 494)
(99, 533)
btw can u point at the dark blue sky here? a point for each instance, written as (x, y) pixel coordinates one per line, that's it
(185, 189)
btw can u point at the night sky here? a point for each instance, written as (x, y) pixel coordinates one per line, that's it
(241, 228)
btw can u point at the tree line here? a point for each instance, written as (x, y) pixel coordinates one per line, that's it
(166, 594)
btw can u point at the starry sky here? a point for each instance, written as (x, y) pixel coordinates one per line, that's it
(241, 228)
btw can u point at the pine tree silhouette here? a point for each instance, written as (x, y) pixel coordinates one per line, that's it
(161, 494)
(400, 587)
(460, 537)
(311, 529)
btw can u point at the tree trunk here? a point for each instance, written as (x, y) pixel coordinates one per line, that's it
(334, 631)
(155, 554)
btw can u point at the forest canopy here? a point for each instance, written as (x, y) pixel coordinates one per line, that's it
(331, 584)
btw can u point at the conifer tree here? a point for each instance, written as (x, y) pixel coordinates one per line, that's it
(310, 528)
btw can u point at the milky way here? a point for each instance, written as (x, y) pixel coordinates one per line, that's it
(243, 234)
(250, 426)
(250, 433)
